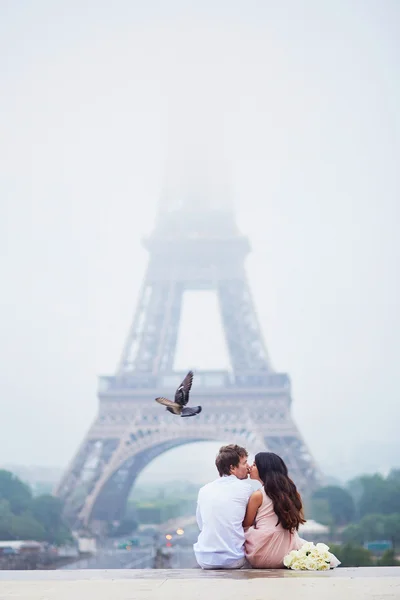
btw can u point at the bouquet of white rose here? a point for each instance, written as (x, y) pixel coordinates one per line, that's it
(311, 558)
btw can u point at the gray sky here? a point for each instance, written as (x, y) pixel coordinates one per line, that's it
(296, 106)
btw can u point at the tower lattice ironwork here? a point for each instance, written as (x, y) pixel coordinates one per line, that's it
(249, 405)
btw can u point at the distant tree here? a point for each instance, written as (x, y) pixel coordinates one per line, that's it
(353, 534)
(394, 475)
(374, 527)
(369, 529)
(388, 559)
(320, 511)
(338, 504)
(5, 520)
(48, 511)
(42, 487)
(352, 555)
(373, 498)
(61, 536)
(26, 527)
(392, 529)
(374, 494)
(23, 517)
(17, 493)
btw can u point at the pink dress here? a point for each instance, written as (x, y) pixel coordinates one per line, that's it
(266, 543)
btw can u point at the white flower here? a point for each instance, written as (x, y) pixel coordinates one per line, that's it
(289, 558)
(327, 556)
(297, 565)
(316, 553)
(311, 563)
(307, 547)
(322, 565)
(311, 558)
(287, 561)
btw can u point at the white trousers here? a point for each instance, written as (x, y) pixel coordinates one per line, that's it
(238, 564)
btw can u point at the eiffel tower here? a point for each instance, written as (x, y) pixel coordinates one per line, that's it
(249, 405)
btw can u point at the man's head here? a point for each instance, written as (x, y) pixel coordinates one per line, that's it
(232, 460)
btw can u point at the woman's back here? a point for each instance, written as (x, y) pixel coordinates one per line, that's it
(266, 517)
(267, 542)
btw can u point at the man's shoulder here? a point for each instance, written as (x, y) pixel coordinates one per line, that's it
(238, 486)
(245, 486)
(208, 485)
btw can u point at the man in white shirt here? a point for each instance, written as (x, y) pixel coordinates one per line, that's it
(221, 507)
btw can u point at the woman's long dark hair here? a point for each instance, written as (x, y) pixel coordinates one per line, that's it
(281, 489)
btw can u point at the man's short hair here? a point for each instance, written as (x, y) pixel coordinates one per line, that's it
(229, 456)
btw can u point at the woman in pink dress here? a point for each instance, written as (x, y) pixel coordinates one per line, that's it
(273, 514)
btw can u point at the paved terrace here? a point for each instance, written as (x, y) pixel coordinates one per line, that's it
(148, 584)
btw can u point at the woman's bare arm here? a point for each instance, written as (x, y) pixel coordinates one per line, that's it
(252, 507)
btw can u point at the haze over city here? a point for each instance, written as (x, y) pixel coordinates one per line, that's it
(287, 110)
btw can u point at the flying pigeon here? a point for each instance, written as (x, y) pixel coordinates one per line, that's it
(181, 399)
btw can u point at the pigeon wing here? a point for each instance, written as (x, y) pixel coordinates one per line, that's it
(182, 393)
(176, 408)
(190, 411)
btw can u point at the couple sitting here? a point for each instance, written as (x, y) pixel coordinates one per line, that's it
(242, 528)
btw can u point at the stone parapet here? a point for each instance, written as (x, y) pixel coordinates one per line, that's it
(340, 584)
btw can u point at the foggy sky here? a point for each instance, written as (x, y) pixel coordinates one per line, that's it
(103, 107)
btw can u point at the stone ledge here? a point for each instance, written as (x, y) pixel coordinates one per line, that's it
(166, 574)
(148, 584)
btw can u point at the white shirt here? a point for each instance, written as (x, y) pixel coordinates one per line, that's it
(221, 507)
